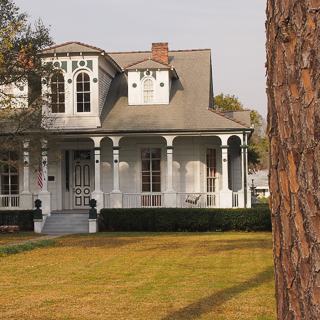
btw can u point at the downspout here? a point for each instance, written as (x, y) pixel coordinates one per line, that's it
(245, 151)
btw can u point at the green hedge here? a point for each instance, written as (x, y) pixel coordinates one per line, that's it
(18, 248)
(180, 219)
(21, 218)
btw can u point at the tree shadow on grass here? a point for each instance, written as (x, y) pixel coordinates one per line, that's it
(86, 241)
(205, 305)
(216, 246)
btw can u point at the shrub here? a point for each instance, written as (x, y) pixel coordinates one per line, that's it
(21, 218)
(181, 219)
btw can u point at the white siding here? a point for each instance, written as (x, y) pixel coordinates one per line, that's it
(104, 85)
(185, 166)
(189, 166)
(54, 187)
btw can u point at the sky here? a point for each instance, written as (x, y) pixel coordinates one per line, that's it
(234, 31)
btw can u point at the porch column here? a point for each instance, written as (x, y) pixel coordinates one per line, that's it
(26, 195)
(116, 194)
(170, 195)
(45, 195)
(225, 192)
(116, 168)
(97, 194)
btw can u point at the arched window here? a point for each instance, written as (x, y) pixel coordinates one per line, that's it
(57, 93)
(83, 92)
(148, 91)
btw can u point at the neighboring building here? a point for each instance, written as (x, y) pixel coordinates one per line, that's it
(259, 180)
(139, 130)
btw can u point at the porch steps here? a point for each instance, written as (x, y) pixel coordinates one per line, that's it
(67, 223)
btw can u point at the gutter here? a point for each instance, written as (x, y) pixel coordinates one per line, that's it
(98, 132)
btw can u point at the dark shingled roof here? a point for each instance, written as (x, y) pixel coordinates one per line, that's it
(191, 94)
(190, 98)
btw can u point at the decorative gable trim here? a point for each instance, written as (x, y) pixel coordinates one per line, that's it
(144, 66)
(82, 63)
(58, 49)
(64, 66)
(148, 59)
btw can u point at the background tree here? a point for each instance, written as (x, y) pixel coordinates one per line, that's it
(293, 88)
(259, 145)
(227, 102)
(20, 75)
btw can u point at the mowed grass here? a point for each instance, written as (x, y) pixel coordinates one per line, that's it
(7, 238)
(142, 276)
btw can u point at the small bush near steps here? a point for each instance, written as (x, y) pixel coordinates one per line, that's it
(21, 218)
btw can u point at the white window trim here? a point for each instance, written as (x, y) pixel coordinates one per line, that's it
(143, 80)
(81, 114)
(61, 114)
(163, 165)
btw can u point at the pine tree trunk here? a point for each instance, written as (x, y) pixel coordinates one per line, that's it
(293, 88)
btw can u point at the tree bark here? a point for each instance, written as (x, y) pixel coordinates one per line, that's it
(293, 88)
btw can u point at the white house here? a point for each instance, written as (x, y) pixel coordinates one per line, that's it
(139, 130)
(259, 180)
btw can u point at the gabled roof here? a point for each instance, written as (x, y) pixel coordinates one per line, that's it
(150, 64)
(78, 47)
(73, 46)
(147, 63)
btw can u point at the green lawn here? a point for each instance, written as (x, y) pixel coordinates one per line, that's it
(142, 276)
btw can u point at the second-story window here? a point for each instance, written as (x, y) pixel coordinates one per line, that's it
(148, 91)
(83, 92)
(57, 93)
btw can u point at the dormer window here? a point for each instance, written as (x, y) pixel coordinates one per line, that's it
(83, 92)
(57, 93)
(148, 91)
(149, 80)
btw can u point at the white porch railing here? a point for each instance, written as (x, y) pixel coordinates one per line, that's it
(197, 200)
(8, 202)
(140, 200)
(235, 199)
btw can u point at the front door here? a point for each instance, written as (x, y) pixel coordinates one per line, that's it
(82, 179)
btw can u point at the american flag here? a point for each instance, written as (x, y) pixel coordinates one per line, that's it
(40, 184)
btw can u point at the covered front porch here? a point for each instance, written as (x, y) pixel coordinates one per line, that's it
(202, 170)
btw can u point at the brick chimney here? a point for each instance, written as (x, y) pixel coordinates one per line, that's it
(160, 52)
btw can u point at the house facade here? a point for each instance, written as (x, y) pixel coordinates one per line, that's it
(139, 130)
